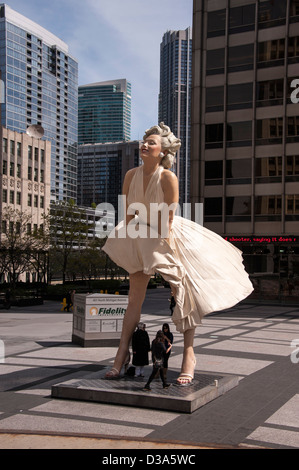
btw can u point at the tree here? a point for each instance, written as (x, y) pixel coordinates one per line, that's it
(18, 243)
(68, 230)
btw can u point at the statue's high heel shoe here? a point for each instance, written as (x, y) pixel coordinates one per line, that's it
(114, 373)
(185, 379)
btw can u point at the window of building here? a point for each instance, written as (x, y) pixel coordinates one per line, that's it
(12, 147)
(4, 145)
(294, 11)
(292, 168)
(19, 170)
(268, 170)
(4, 167)
(271, 53)
(11, 197)
(269, 131)
(213, 209)
(42, 155)
(29, 200)
(42, 202)
(35, 200)
(4, 195)
(292, 207)
(215, 61)
(238, 208)
(292, 129)
(238, 171)
(18, 198)
(214, 172)
(19, 149)
(12, 169)
(42, 177)
(268, 207)
(214, 99)
(239, 96)
(28, 229)
(239, 134)
(29, 172)
(241, 19)
(216, 23)
(240, 57)
(30, 152)
(35, 174)
(36, 154)
(214, 135)
(293, 50)
(269, 93)
(272, 13)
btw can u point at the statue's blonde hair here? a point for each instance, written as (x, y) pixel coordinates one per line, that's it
(168, 142)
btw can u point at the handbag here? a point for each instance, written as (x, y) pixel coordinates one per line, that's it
(158, 363)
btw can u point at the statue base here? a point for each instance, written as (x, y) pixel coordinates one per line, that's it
(130, 391)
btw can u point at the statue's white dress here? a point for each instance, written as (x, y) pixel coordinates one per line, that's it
(206, 271)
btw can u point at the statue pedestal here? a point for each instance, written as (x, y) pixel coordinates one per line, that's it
(129, 391)
(98, 318)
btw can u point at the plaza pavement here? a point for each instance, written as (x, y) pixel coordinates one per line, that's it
(258, 343)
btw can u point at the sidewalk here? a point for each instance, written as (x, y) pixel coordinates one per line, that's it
(257, 343)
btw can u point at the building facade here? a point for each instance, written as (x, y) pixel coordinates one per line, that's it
(41, 87)
(104, 113)
(101, 171)
(175, 98)
(245, 129)
(24, 189)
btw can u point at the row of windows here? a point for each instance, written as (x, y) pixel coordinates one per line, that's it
(240, 96)
(239, 171)
(15, 198)
(269, 54)
(15, 149)
(17, 227)
(270, 13)
(15, 170)
(239, 134)
(239, 208)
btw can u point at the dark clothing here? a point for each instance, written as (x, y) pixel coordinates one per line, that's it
(158, 354)
(140, 347)
(68, 302)
(172, 304)
(158, 350)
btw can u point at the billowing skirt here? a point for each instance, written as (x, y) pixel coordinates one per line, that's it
(205, 271)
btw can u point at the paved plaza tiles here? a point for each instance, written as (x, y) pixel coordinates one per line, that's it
(259, 344)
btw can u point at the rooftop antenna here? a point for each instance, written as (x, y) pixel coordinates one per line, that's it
(35, 131)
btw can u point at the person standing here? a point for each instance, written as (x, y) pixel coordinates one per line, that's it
(172, 303)
(168, 341)
(141, 348)
(158, 355)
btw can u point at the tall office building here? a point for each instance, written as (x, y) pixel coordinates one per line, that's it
(41, 87)
(245, 128)
(104, 113)
(175, 98)
(101, 171)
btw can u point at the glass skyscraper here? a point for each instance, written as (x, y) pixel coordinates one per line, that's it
(104, 113)
(41, 87)
(175, 98)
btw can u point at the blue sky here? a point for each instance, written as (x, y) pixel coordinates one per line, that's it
(115, 39)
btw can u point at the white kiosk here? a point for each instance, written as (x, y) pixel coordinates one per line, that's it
(97, 319)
